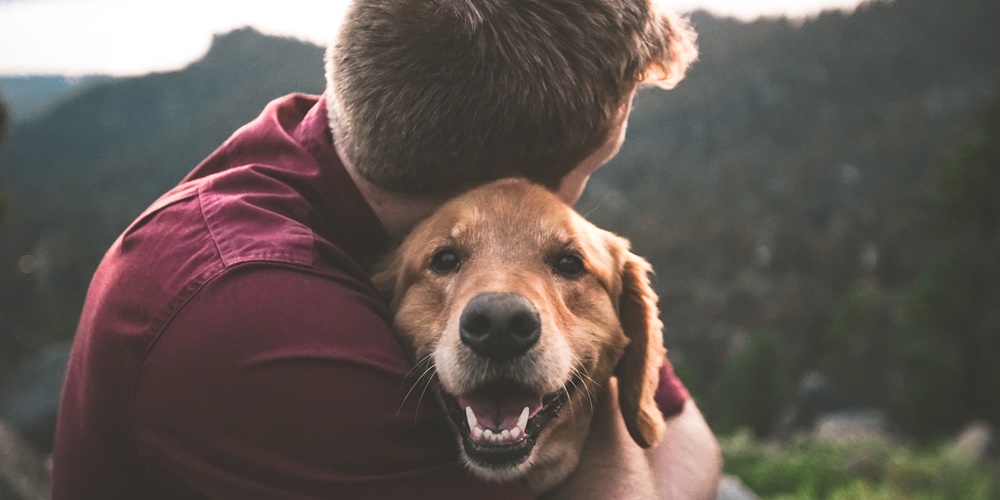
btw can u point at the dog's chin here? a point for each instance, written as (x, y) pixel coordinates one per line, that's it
(499, 424)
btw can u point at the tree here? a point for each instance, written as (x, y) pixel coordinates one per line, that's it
(951, 324)
(756, 383)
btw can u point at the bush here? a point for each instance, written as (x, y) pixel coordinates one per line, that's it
(756, 384)
(858, 352)
(951, 329)
(935, 366)
(807, 469)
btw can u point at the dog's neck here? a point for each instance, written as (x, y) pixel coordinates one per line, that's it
(397, 212)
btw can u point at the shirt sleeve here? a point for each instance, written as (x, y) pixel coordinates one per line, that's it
(276, 383)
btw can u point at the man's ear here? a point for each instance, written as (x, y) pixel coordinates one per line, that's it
(639, 369)
(671, 40)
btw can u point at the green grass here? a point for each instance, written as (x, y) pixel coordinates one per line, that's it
(806, 469)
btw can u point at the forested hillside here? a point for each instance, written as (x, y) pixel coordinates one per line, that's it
(78, 175)
(789, 169)
(786, 178)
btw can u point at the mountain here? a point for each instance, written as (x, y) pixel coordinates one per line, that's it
(791, 165)
(77, 175)
(31, 96)
(4, 117)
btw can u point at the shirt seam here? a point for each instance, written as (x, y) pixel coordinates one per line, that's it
(208, 226)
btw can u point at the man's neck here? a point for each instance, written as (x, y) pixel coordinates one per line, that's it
(398, 213)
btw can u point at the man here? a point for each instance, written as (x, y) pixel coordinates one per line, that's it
(232, 345)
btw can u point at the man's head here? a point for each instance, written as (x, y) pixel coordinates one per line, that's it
(433, 96)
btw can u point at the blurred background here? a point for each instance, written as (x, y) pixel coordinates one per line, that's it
(820, 199)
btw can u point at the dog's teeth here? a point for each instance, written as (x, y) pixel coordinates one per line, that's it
(500, 435)
(471, 416)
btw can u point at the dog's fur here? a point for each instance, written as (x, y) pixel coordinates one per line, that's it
(509, 238)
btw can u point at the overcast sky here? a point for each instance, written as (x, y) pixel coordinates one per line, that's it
(131, 37)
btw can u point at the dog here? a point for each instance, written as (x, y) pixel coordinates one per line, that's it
(524, 312)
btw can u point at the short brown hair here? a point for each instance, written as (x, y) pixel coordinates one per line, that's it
(431, 96)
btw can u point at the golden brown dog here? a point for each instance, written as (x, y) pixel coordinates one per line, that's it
(524, 311)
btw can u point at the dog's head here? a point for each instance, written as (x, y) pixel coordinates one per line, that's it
(525, 310)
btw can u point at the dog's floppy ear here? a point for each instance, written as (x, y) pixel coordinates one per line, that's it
(387, 278)
(638, 371)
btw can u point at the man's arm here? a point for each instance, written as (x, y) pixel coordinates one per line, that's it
(277, 383)
(686, 464)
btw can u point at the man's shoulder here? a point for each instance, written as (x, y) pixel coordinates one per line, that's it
(196, 239)
(273, 307)
(273, 192)
(206, 225)
(202, 243)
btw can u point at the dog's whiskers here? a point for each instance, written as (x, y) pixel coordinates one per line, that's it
(572, 380)
(416, 365)
(586, 390)
(420, 400)
(428, 371)
(592, 210)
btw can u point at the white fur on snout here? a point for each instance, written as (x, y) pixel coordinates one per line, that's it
(545, 368)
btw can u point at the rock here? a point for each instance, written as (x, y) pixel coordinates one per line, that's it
(975, 443)
(731, 488)
(814, 397)
(23, 475)
(853, 425)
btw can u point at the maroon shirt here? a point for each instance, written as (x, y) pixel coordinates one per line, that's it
(232, 345)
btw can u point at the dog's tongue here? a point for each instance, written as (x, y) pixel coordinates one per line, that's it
(501, 407)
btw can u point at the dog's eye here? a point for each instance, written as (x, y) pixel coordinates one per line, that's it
(569, 265)
(445, 261)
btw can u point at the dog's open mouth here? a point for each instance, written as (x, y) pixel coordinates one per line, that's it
(500, 422)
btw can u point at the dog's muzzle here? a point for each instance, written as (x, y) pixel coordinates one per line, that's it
(501, 419)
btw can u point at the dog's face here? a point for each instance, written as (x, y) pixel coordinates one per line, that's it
(524, 311)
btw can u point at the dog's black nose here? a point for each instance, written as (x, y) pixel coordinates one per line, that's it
(499, 326)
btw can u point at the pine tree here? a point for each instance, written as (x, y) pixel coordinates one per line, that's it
(951, 317)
